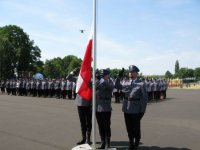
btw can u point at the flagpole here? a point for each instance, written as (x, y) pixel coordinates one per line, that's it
(94, 85)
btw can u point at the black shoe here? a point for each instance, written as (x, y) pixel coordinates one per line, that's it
(103, 144)
(131, 146)
(88, 138)
(102, 147)
(88, 141)
(81, 142)
(137, 143)
(107, 142)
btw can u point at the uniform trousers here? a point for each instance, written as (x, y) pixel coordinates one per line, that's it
(117, 97)
(70, 94)
(164, 94)
(63, 93)
(74, 94)
(85, 116)
(8, 91)
(157, 95)
(2, 90)
(103, 120)
(150, 95)
(58, 93)
(133, 125)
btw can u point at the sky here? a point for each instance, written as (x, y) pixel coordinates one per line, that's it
(151, 34)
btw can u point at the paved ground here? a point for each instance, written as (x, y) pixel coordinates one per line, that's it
(191, 87)
(28, 123)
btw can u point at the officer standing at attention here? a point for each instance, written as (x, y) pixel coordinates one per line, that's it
(134, 106)
(85, 115)
(103, 111)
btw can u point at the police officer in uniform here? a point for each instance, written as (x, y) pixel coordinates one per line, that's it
(74, 89)
(2, 87)
(148, 88)
(69, 89)
(165, 88)
(43, 88)
(50, 88)
(33, 87)
(117, 88)
(8, 87)
(134, 106)
(85, 115)
(38, 88)
(103, 111)
(28, 87)
(63, 86)
(57, 88)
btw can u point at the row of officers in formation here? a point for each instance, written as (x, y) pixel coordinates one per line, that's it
(62, 88)
(135, 93)
(59, 88)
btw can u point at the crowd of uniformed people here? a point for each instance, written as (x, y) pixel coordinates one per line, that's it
(62, 88)
(156, 88)
(59, 88)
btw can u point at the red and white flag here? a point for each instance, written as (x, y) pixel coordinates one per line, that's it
(84, 78)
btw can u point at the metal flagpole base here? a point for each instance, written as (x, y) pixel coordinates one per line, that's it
(108, 149)
(88, 147)
(82, 147)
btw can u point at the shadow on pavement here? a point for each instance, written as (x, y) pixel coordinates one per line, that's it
(123, 145)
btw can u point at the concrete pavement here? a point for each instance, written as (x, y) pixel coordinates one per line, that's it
(28, 123)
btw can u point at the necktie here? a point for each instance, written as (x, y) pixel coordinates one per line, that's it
(132, 82)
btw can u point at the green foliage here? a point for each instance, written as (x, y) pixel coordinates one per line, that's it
(114, 73)
(197, 73)
(155, 76)
(118, 73)
(25, 53)
(185, 73)
(176, 67)
(57, 67)
(6, 59)
(168, 75)
(75, 63)
(38, 66)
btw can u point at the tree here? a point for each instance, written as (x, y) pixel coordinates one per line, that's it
(168, 75)
(52, 68)
(176, 67)
(66, 62)
(6, 59)
(75, 63)
(154, 76)
(38, 66)
(185, 73)
(190, 73)
(25, 53)
(60, 68)
(197, 73)
(114, 73)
